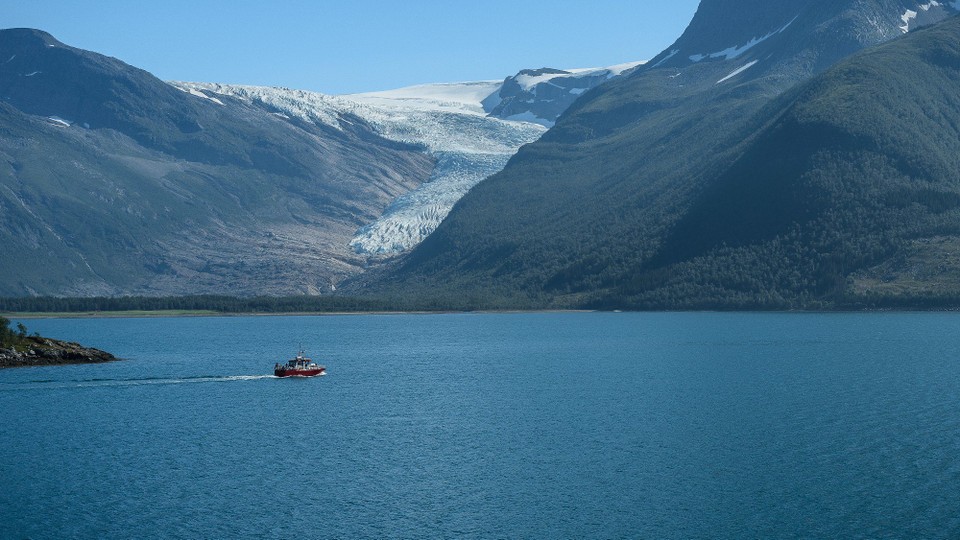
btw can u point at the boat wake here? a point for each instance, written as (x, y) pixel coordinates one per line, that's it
(97, 383)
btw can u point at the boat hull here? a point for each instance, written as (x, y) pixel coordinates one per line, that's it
(298, 372)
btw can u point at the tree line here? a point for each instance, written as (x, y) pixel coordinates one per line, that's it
(258, 304)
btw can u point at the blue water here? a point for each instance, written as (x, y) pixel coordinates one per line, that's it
(491, 425)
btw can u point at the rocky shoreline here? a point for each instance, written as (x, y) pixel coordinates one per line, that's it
(39, 351)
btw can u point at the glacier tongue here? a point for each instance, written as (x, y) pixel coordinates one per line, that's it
(448, 120)
(415, 215)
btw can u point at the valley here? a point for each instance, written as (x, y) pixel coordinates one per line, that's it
(772, 157)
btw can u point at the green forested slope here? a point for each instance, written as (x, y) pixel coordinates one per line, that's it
(856, 170)
(656, 194)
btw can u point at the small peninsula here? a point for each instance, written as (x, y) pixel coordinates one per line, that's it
(17, 349)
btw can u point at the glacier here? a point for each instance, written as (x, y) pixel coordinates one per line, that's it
(452, 122)
(447, 119)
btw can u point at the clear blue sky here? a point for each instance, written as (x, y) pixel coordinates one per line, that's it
(343, 46)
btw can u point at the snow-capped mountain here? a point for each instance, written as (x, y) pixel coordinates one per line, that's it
(471, 129)
(115, 182)
(446, 120)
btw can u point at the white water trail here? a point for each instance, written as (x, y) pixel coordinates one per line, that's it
(101, 383)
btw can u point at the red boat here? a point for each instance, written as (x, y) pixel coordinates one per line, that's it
(300, 366)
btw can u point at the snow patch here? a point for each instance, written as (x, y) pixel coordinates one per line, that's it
(528, 116)
(529, 82)
(733, 52)
(56, 120)
(200, 94)
(467, 94)
(193, 90)
(737, 71)
(910, 16)
(907, 16)
(669, 56)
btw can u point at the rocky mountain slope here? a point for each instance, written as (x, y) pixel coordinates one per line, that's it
(598, 211)
(542, 95)
(113, 182)
(850, 176)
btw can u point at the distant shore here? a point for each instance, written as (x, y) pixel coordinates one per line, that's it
(108, 314)
(206, 313)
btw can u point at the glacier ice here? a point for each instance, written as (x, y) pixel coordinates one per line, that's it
(448, 120)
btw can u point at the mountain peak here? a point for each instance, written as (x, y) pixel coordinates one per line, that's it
(27, 37)
(832, 29)
(542, 71)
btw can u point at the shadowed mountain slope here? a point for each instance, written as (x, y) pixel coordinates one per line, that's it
(112, 181)
(637, 195)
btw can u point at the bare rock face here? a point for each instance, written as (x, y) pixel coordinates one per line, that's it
(38, 351)
(542, 95)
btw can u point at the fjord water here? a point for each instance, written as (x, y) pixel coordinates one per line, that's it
(546, 425)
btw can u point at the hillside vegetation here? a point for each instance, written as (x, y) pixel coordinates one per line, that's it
(841, 191)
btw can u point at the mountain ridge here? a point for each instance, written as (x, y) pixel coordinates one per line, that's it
(191, 188)
(580, 216)
(157, 191)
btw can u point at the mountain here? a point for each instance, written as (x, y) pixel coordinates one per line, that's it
(445, 121)
(849, 192)
(628, 201)
(114, 182)
(471, 129)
